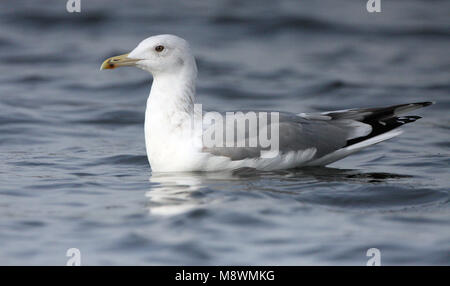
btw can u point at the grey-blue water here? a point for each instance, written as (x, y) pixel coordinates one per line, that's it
(74, 173)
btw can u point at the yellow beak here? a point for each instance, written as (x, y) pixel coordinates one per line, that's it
(118, 61)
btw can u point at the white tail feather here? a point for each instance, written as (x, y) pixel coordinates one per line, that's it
(344, 152)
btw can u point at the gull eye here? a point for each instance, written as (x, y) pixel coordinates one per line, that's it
(159, 48)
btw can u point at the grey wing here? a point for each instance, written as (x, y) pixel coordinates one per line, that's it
(325, 132)
(295, 133)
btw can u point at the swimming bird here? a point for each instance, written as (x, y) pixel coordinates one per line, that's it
(304, 139)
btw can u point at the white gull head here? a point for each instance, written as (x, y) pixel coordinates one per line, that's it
(164, 54)
(161, 54)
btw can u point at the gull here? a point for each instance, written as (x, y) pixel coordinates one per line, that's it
(305, 139)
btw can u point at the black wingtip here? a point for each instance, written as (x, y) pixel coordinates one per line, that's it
(425, 103)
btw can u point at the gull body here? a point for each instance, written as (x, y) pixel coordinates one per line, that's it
(305, 139)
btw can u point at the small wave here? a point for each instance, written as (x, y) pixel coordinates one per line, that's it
(42, 18)
(34, 59)
(122, 159)
(121, 117)
(376, 197)
(108, 87)
(277, 23)
(268, 25)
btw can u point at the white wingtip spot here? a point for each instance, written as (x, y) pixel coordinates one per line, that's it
(376, 139)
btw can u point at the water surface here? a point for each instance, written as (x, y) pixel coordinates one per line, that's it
(74, 173)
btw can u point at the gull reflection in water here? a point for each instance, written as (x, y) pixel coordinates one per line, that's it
(176, 193)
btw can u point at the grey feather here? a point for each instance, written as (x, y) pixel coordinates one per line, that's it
(326, 132)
